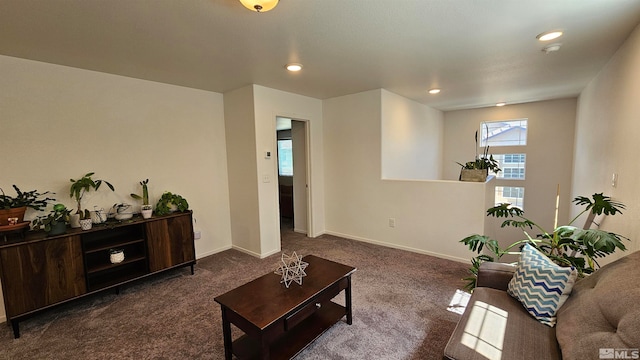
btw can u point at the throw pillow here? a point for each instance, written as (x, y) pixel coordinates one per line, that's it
(541, 285)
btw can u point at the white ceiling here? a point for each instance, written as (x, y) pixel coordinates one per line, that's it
(478, 51)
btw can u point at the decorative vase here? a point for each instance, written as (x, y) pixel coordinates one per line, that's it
(5, 214)
(57, 229)
(86, 224)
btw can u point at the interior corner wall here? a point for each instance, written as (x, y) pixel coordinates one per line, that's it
(549, 152)
(359, 204)
(268, 104)
(607, 133)
(240, 130)
(60, 122)
(412, 137)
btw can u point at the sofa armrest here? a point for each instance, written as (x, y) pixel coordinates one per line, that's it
(495, 275)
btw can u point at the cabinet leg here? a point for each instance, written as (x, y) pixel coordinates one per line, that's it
(16, 329)
(192, 270)
(117, 290)
(347, 301)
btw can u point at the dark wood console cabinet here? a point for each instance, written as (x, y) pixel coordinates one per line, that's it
(39, 272)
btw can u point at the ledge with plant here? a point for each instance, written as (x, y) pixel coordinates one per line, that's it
(567, 245)
(478, 169)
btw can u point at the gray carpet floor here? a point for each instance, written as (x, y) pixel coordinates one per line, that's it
(400, 304)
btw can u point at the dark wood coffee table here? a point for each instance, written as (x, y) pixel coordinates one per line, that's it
(278, 322)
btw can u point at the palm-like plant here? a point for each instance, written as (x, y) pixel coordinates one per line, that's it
(567, 245)
(79, 187)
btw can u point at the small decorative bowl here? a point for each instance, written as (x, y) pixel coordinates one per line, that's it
(116, 256)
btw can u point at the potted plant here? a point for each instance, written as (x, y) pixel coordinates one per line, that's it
(567, 245)
(478, 169)
(14, 207)
(169, 203)
(145, 208)
(55, 223)
(79, 188)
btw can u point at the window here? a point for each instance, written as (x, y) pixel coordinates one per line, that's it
(285, 158)
(496, 134)
(512, 166)
(510, 194)
(503, 133)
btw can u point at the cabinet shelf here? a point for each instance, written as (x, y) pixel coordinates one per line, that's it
(107, 266)
(115, 244)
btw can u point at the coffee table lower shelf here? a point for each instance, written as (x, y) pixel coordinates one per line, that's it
(296, 339)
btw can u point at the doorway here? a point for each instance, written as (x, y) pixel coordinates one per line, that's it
(292, 155)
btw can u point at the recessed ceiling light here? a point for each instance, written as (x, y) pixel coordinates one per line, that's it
(549, 35)
(294, 67)
(551, 48)
(501, 104)
(434, 91)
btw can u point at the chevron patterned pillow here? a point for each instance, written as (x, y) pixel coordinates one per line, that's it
(541, 285)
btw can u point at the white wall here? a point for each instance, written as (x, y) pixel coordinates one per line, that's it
(299, 150)
(58, 123)
(549, 157)
(431, 216)
(607, 133)
(412, 136)
(243, 174)
(269, 103)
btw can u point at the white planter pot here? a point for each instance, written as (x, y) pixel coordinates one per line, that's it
(86, 224)
(146, 213)
(74, 220)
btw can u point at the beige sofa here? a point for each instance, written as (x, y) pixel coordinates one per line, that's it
(601, 316)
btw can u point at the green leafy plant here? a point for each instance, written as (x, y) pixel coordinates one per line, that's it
(80, 187)
(60, 213)
(567, 245)
(31, 199)
(169, 203)
(145, 193)
(483, 161)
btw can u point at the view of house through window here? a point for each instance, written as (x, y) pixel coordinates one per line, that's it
(504, 133)
(501, 134)
(512, 166)
(510, 194)
(285, 158)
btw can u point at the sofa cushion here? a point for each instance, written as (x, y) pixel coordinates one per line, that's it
(603, 311)
(496, 326)
(541, 285)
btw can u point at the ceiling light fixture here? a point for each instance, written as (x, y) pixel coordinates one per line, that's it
(294, 67)
(501, 104)
(434, 91)
(259, 5)
(549, 35)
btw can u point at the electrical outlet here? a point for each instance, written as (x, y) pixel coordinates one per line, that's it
(392, 222)
(196, 235)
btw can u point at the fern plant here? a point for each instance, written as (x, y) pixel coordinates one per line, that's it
(567, 245)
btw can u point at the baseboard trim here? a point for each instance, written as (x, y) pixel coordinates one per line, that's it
(212, 252)
(396, 246)
(255, 254)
